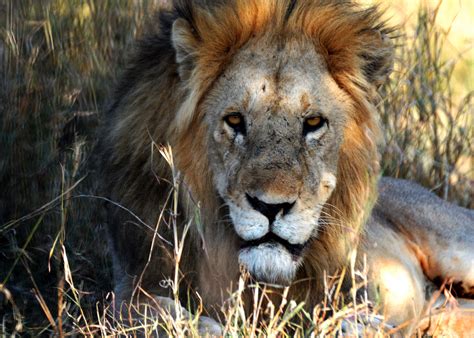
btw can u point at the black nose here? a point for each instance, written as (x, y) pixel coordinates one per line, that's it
(269, 210)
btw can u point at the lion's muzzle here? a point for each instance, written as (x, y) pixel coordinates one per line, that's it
(270, 211)
(272, 254)
(275, 228)
(270, 238)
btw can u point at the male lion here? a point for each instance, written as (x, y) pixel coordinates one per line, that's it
(269, 107)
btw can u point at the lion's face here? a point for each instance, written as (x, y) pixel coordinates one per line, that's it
(275, 119)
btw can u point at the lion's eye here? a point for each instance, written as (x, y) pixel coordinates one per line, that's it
(233, 120)
(313, 124)
(236, 122)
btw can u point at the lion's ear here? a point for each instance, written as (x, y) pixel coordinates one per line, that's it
(378, 58)
(185, 45)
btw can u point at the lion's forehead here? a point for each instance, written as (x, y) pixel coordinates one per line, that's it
(264, 77)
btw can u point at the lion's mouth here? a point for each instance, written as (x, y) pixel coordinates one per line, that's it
(294, 249)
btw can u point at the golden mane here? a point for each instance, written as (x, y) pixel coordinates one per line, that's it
(350, 40)
(354, 44)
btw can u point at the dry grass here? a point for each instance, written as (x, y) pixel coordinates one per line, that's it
(59, 60)
(427, 123)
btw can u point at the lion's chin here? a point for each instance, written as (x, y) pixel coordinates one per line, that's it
(270, 263)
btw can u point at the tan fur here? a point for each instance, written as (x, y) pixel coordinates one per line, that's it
(172, 83)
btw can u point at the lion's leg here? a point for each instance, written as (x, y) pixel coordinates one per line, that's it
(440, 234)
(141, 304)
(151, 314)
(398, 283)
(143, 291)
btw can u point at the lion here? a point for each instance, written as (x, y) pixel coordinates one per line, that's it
(270, 109)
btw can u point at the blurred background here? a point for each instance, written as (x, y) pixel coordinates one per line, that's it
(59, 60)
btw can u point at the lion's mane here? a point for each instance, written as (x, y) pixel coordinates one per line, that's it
(159, 98)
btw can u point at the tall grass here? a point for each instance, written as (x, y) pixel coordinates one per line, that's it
(428, 125)
(59, 60)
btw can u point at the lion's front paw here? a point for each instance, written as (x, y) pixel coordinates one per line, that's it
(364, 326)
(209, 326)
(206, 326)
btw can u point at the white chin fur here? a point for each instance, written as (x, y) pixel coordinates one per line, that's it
(270, 263)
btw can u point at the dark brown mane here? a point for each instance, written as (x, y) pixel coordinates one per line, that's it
(159, 100)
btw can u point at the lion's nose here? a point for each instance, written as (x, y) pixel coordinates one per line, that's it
(270, 211)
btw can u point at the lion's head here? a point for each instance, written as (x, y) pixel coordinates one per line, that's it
(269, 106)
(281, 93)
(275, 119)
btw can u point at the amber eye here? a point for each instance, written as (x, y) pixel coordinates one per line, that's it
(313, 121)
(313, 124)
(236, 122)
(234, 119)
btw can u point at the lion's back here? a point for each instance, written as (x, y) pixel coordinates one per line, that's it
(407, 201)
